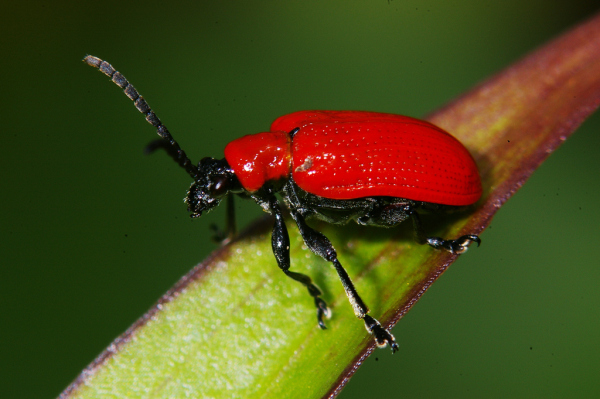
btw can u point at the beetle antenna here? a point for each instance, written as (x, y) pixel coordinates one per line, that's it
(167, 142)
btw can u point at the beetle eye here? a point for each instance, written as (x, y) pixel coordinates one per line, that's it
(219, 186)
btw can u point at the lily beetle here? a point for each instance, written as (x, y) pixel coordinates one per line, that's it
(338, 166)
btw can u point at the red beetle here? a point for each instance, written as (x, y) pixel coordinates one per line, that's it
(374, 168)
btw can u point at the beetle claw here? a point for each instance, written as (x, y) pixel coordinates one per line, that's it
(382, 336)
(461, 244)
(458, 246)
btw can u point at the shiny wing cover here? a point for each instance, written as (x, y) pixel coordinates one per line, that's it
(354, 154)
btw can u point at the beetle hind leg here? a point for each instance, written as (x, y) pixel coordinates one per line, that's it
(458, 246)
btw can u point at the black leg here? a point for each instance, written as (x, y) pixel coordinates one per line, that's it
(224, 236)
(321, 246)
(280, 241)
(458, 246)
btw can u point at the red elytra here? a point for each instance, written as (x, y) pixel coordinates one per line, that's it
(354, 154)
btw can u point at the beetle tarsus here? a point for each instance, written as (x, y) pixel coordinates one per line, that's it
(382, 336)
(322, 312)
(219, 235)
(458, 246)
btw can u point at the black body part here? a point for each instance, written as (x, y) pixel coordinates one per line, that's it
(167, 141)
(221, 236)
(215, 180)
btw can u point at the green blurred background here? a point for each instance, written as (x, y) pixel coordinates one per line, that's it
(93, 232)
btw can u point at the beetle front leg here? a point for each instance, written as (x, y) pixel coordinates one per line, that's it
(321, 246)
(221, 236)
(458, 246)
(280, 241)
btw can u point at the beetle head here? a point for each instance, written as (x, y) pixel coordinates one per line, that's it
(214, 181)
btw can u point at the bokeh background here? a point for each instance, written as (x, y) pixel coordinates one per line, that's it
(93, 232)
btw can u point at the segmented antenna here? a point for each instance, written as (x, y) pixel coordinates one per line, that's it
(167, 142)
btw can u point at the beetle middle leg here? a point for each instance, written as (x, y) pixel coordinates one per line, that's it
(320, 245)
(280, 241)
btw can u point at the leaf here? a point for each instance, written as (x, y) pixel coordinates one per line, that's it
(235, 326)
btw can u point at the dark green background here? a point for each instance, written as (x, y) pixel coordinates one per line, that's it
(93, 232)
